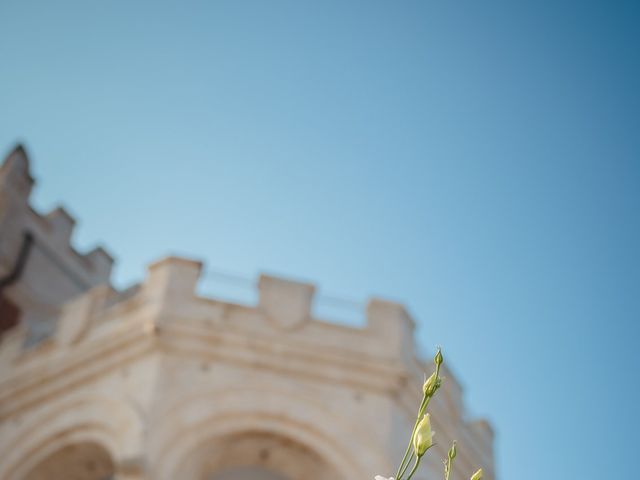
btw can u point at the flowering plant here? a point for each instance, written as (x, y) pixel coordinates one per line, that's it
(422, 437)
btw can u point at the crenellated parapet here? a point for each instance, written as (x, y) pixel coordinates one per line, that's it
(40, 269)
(52, 230)
(167, 301)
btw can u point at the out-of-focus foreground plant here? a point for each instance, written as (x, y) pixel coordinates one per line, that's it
(422, 437)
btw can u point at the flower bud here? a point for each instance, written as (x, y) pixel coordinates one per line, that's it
(452, 451)
(438, 358)
(423, 438)
(429, 387)
(477, 475)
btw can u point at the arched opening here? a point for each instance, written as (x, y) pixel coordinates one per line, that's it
(256, 456)
(83, 461)
(248, 473)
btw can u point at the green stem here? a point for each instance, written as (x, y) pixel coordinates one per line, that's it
(406, 465)
(415, 467)
(407, 457)
(421, 410)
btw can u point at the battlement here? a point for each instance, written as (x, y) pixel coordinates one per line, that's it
(168, 297)
(52, 232)
(283, 305)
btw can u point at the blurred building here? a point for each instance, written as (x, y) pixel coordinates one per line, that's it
(157, 382)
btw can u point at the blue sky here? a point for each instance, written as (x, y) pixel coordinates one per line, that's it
(478, 161)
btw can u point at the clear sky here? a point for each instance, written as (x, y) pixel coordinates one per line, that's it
(477, 160)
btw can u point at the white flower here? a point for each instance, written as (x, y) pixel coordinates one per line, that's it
(423, 437)
(380, 477)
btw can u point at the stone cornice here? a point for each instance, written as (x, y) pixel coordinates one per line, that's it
(299, 358)
(49, 371)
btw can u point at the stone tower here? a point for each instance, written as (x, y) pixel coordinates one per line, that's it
(159, 383)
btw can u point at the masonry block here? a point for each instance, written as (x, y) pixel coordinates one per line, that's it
(62, 224)
(287, 304)
(101, 263)
(172, 281)
(390, 322)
